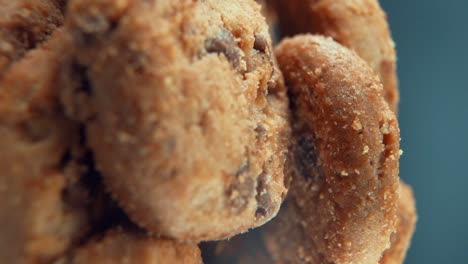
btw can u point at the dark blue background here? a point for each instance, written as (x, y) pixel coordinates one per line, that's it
(432, 45)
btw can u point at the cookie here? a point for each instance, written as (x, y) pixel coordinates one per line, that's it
(121, 246)
(35, 222)
(250, 247)
(182, 112)
(344, 162)
(50, 194)
(405, 228)
(360, 25)
(23, 25)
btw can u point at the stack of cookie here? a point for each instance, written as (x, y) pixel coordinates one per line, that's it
(133, 130)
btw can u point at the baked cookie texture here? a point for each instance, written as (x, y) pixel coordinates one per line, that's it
(52, 196)
(122, 246)
(343, 197)
(405, 228)
(182, 112)
(360, 25)
(24, 24)
(251, 248)
(36, 222)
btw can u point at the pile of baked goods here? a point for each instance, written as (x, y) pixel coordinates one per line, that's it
(131, 131)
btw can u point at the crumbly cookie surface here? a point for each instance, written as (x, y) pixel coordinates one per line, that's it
(407, 218)
(344, 192)
(182, 112)
(24, 24)
(250, 248)
(360, 25)
(52, 196)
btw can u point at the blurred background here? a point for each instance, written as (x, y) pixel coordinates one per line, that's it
(432, 45)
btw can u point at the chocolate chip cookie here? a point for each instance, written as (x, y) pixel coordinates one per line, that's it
(250, 248)
(344, 193)
(52, 196)
(360, 25)
(182, 111)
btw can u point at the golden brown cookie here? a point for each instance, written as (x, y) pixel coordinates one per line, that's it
(24, 24)
(35, 222)
(359, 24)
(182, 112)
(121, 246)
(344, 193)
(405, 227)
(50, 193)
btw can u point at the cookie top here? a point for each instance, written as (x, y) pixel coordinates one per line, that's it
(360, 25)
(344, 160)
(407, 218)
(36, 222)
(182, 111)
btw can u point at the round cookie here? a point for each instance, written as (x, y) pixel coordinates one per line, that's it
(38, 220)
(405, 228)
(182, 112)
(360, 25)
(343, 197)
(121, 246)
(51, 196)
(250, 247)
(23, 25)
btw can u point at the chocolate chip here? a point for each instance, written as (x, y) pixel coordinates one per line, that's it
(242, 169)
(225, 43)
(27, 37)
(260, 43)
(261, 183)
(239, 194)
(261, 131)
(305, 156)
(261, 212)
(265, 205)
(138, 61)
